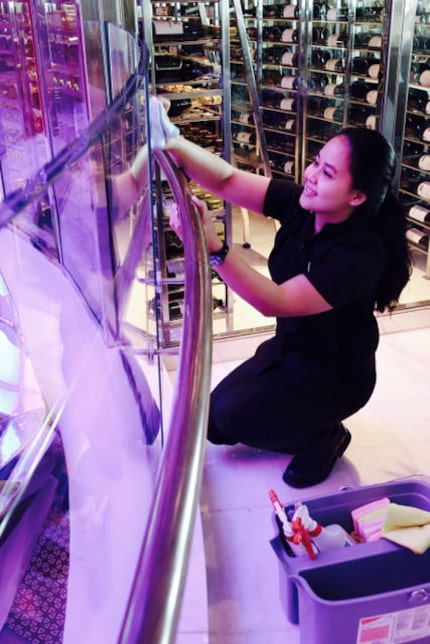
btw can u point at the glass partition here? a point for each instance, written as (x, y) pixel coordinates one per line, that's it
(80, 403)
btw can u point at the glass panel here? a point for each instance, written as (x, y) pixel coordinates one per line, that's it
(80, 403)
(415, 161)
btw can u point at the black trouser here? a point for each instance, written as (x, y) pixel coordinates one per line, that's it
(285, 406)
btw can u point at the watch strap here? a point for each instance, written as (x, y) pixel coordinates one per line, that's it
(217, 258)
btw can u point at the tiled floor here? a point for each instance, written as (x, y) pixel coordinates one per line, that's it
(391, 439)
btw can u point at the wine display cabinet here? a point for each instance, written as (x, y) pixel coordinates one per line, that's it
(415, 168)
(345, 71)
(275, 38)
(189, 43)
(318, 66)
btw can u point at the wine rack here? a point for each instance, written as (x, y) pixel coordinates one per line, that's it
(415, 168)
(275, 39)
(188, 69)
(345, 70)
(315, 73)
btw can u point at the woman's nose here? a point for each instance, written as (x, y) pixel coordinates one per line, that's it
(311, 174)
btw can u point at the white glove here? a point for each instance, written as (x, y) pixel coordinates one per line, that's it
(160, 127)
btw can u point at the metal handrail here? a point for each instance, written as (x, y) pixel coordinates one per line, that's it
(154, 603)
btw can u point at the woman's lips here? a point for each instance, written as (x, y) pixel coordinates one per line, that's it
(308, 191)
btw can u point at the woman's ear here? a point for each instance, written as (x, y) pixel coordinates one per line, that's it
(357, 199)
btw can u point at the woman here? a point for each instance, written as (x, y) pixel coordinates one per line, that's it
(340, 253)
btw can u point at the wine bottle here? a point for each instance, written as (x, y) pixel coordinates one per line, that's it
(371, 122)
(369, 14)
(337, 13)
(319, 58)
(358, 115)
(374, 71)
(289, 167)
(333, 114)
(337, 39)
(420, 74)
(424, 78)
(318, 82)
(291, 11)
(335, 64)
(360, 64)
(288, 104)
(290, 59)
(290, 82)
(334, 89)
(274, 120)
(179, 106)
(420, 213)
(163, 9)
(280, 142)
(412, 152)
(375, 42)
(319, 11)
(424, 190)
(410, 180)
(362, 39)
(317, 105)
(271, 98)
(246, 137)
(271, 11)
(241, 116)
(272, 34)
(418, 237)
(320, 35)
(417, 99)
(271, 76)
(415, 126)
(372, 97)
(424, 162)
(290, 35)
(418, 43)
(272, 55)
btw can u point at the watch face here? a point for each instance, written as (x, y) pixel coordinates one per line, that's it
(215, 260)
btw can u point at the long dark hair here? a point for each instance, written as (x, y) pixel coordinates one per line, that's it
(373, 166)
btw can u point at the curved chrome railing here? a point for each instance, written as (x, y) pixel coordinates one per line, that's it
(155, 600)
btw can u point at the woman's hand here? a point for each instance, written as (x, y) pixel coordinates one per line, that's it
(213, 242)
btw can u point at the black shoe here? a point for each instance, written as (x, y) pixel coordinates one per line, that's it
(315, 465)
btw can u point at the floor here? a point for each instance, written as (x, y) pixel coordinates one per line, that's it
(390, 440)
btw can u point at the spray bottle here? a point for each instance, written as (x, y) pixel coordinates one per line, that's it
(295, 535)
(324, 537)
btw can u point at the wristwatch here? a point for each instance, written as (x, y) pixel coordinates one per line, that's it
(216, 259)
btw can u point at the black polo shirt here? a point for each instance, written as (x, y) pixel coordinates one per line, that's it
(344, 262)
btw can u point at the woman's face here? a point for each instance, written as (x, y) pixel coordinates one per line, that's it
(328, 189)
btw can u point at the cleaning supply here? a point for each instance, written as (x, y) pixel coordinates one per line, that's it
(295, 534)
(367, 519)
(324, 537)
(408, 527)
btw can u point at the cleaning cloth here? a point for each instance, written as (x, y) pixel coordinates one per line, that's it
(407, 526)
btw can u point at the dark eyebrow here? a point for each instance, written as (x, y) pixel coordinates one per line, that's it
(328, 165)
(332, 167)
